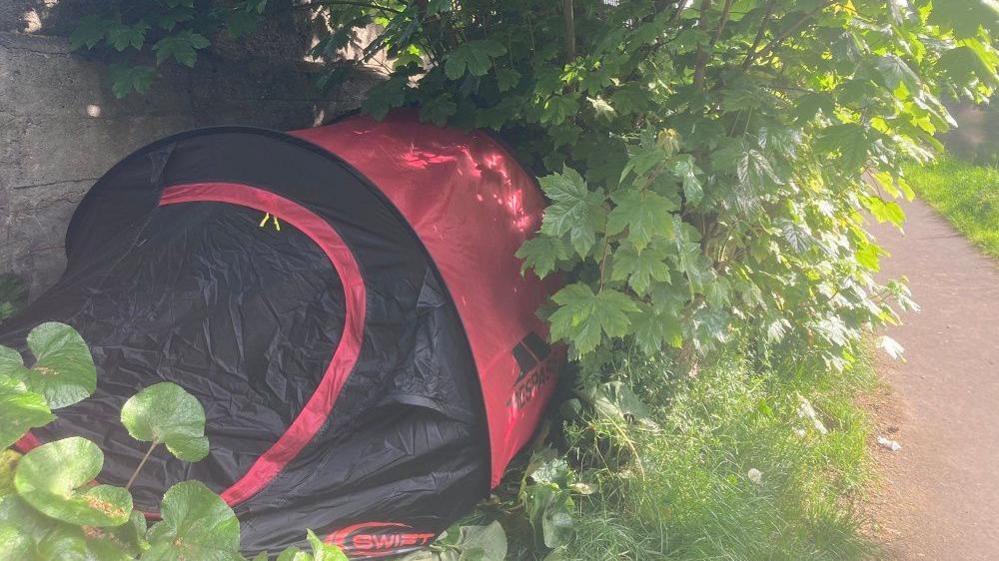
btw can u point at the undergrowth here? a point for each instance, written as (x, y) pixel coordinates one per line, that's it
(748, 460)
(966, 194)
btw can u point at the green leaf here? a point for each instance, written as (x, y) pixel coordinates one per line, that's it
(582, 315)
(654, 329)
(89, 31)
(15, 545)
(575, 209)
(964, 64)
(183, 47)
(438, 109)
(63, 371)
(126, 79)
(474, 57)
(558, 109)
(169, 20)
(482, 543)
(617, 400)
(292, 553)
(166, 414)
(50, 478)
(13, 295)
(322, 551)
(196, 524)
(645, 214)
(603, 109)
(507, 79)
(20, 410)
(849, 140)
(384, 97)
(684, 168)
(755, 170)
(640, 268)
(894, 71)
(542, 254)
(811, 104)
(8, 463)
(121, 36)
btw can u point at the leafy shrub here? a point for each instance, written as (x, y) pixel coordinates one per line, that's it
(704, 160)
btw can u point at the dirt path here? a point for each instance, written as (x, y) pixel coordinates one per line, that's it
(939, 499)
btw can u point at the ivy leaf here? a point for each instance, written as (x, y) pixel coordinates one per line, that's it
(542, 254)
(196, 524)
(575, 209)
(20, 410)
(582, 315)
(63, 371)
(49, 478)
(166, 414)
(475, 57)
(183, 47)
(322, 551)
(646, 215)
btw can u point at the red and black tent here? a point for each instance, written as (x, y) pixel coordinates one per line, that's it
(345, 303)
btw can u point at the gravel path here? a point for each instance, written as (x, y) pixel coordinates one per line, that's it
(939, 497)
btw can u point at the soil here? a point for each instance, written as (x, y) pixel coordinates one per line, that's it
(938, 497)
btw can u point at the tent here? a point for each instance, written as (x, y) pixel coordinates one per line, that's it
(345, 303)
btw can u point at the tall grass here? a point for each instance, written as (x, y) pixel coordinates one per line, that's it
(966, 194)
(696, 499)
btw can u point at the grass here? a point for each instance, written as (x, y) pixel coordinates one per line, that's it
(966, 194)
(697, 500)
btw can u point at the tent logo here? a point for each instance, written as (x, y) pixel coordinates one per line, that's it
(536, 370)
(378, 539)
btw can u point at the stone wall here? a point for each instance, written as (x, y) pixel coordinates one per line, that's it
(61, 128)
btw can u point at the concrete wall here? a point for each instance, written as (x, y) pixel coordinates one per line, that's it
(61, 128)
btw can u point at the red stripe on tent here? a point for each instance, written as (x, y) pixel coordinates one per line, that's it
(319, 406)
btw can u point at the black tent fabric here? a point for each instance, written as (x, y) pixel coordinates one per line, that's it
(236, 262)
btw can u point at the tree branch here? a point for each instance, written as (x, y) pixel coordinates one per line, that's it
(701, 59)
(570, 30)
(726, 10)
(751, 53)
(786, 33)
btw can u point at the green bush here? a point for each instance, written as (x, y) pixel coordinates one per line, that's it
(703, 159)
